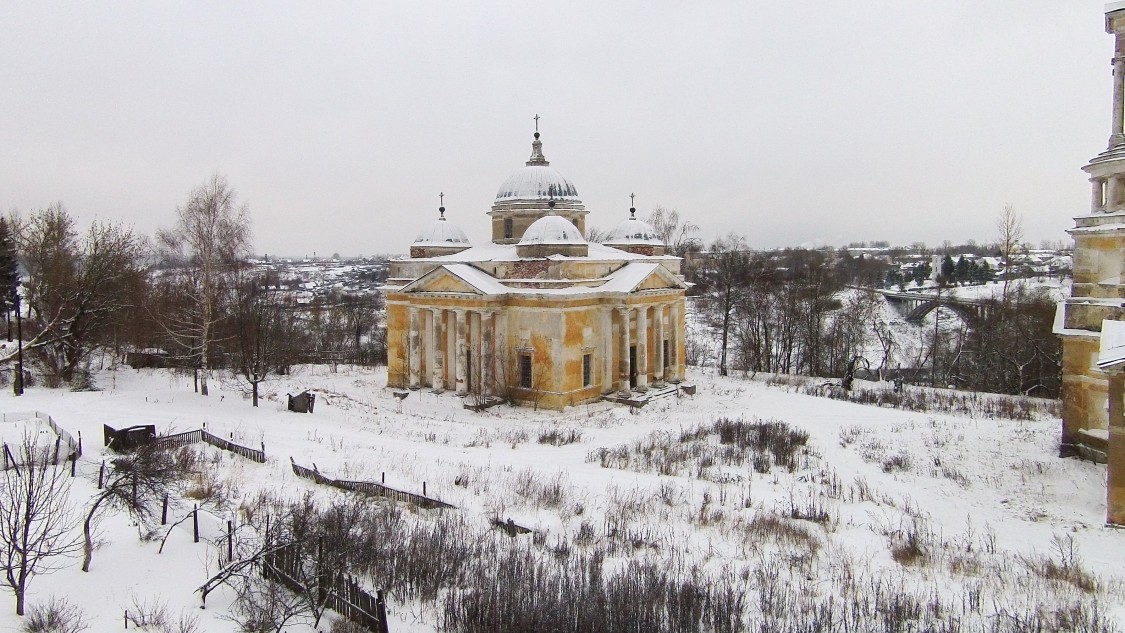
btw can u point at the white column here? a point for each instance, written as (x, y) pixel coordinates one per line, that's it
(642, 348)
(1096, 194)
(462, 347)
(427, 319)
(1116, 136)
(487, 355)
(1113, 193)
(675, 363)
(623, 366)
(607, 349)
(473, 382)
(658, 343)
(414, 354)
(502, 350)
(438, 333)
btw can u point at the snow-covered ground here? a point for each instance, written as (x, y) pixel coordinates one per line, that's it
(987, 496)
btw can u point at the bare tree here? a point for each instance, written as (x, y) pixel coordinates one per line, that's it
(79, 287)
(725, 280)
(213, 232)
(263, 332)
(596, 235)
(1009, 227)
(37, 523)
(676, 233)
(136, 482)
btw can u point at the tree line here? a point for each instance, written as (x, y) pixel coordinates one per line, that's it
(186, 298)
(803, 312)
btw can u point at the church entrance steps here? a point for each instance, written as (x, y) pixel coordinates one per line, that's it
(641, 398)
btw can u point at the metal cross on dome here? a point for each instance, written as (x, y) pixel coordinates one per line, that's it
(536, 117)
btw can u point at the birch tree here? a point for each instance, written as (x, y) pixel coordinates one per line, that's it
(212, 235)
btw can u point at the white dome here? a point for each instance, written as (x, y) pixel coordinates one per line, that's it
(552, 229)
(536, 182)
(634, 231)
(442, 232)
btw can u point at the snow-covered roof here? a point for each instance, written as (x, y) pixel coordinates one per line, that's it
(1111, 354)
(623, 280)
(536, 182)
(633, 231)
(441, 232)
(552, 229)
(493, 252)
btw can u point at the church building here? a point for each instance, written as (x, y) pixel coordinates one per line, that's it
(1090, 321)
(538, 315)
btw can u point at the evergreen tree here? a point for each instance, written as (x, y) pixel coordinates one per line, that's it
(986, 274)
(961, 270)
(947, 269)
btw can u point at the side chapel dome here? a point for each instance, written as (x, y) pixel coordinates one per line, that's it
(635, 236)
(442, 232)
(441, 237)
(633, 231)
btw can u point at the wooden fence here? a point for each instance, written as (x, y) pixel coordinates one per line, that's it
(341, 593)
(200, 435)
(72, 450)
(369, 488)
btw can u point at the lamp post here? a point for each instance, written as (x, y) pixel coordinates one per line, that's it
(17, 384)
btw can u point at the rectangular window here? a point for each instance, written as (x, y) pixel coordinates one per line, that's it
(525, 371)
(587, 372)
(507, 228)
(665, 355)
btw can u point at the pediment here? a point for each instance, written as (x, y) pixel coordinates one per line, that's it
(441, 280)
(638, 277)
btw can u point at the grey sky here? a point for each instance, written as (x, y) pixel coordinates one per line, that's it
(339, 123)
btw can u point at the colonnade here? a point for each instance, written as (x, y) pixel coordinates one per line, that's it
(658, 344)
(461, 361)
(1108, 192)
(455, 348)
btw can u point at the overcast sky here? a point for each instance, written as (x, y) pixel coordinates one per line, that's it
(339, 123)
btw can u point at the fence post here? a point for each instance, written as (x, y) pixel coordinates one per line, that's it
(164, 511)
(80, 443)
(263, 450)
(381, 607)
(423, 489)
(73, 464)
(58, 440)
(195, 521)
(230, 541)
(101, 475)
(383, 477)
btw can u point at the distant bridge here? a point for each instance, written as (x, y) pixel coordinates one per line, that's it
(916, 305)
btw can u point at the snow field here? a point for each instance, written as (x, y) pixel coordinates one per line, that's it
(948, 516)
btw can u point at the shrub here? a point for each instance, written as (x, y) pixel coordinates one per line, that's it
(57, 616)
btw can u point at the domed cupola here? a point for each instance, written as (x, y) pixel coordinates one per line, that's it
(552, 235)
(441, 237)
(635, 236)
(523, 197)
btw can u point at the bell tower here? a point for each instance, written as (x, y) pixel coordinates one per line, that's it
(1093, 425)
